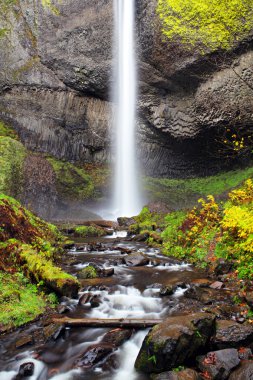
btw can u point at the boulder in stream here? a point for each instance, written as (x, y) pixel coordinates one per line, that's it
(243, 372)
(174, 341)
(232, 334)
(136, 259)
(219, 364)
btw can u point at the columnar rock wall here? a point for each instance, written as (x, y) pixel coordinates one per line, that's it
(56, 79)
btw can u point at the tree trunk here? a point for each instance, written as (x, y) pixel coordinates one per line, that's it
(94, 322)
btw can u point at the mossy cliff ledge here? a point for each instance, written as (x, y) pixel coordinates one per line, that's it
(196, 81)
(30, 245)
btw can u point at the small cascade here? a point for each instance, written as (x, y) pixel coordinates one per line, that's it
(126, 193)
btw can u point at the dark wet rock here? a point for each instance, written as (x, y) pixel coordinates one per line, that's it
(107, 272)
(243, 372)
(223, 267)
(206, 295)
(80, 248)
(52, 331)
(126, 222)
(95, 301)
(123, 249)
(69, 246)
(85, 298)
(219, 364)
(136, 259)
(167, 290)
(244, 353)
(217, 285)
(117, 336)
(24, 341)
(174, 341)
(185, 374)
(94, 354)
(25, 370)
(232, 334)
(62, 309)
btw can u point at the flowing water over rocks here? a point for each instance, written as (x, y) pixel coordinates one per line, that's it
(150, 289)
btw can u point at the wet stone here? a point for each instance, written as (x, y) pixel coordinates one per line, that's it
(25, 370)
(243, 372)
(219, 364)
(217, 285)
(232, 334)
(117, 336)
(52, 331)
(95, 301)
(174, 341)
(85, 298)
(108, 272)
(167, 290)
(24, 340)
(94, 354)
(136, 259)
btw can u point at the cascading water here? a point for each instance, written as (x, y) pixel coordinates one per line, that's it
(126, 196)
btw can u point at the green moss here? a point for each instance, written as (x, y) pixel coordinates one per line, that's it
(89, 231)
(20, 301)
(88, 272)
(73, 183)
(183, 193)
(206, 24)
(12, 157)
(7, 131)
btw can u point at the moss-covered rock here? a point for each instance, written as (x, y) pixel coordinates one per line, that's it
(89, 231)
(173, 341)
(29, 244)
(88, 272)
(12, 158)
(206, 24)
(72, 182)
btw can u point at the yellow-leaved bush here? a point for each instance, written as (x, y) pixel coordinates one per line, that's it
(206, 24)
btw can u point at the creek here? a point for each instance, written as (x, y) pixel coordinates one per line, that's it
(132, 292)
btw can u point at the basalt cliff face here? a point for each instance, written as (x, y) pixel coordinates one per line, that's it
(56, 76)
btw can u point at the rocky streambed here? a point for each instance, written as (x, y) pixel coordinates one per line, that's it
(203, 332)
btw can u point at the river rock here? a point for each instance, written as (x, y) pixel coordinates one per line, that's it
(24, 340)
(219, 364)
(206, 296)
(174, 341)
(243, 372)
(217, 285)
(25, 370)
(186, 374)
(107, 272)
(136, 259)
(167, 290)
(232, 334)
(85, 298)
(126, 222)
(244, 353)
(223, 267)
(117, 336)
(94, 354)
(95, 301)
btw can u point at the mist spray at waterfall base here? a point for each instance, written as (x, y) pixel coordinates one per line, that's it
(127, 199)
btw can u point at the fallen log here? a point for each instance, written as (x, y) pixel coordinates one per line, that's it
(96, 322)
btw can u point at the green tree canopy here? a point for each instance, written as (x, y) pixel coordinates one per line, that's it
(205, 24)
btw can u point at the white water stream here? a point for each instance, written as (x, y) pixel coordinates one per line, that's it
(126, 192)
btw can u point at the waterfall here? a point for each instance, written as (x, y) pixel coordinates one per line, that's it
(126, 191)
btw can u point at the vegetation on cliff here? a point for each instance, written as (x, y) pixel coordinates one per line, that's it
(12, 158)
(206, 24)
(210, 231)
(28, 246)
